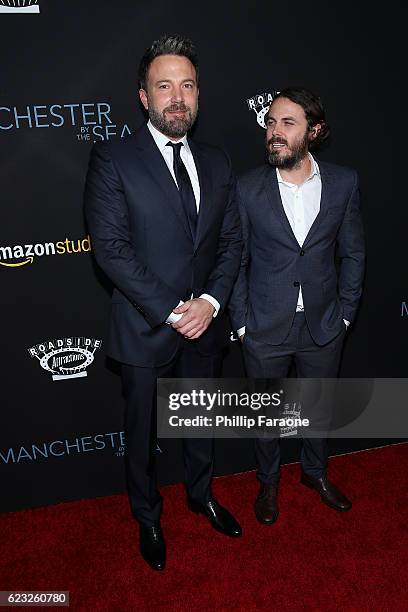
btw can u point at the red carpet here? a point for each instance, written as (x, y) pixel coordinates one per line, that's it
(313, 558)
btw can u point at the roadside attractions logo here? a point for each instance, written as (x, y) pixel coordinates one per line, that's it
(66, 358)
(260, 104)
(291, 410)
(19, 6)
(22, 254)
(92, 121)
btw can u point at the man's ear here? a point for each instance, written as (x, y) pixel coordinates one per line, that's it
(143, 98)
(315, 131)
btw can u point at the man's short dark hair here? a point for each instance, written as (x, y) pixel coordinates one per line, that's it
(167, 45)
(313, 108)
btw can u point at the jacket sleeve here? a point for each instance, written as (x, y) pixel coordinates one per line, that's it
(106, 212)
(351, 251)
(221, 280)
(238, 306)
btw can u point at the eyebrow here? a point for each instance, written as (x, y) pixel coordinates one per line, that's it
(170, 80)
(283, 118)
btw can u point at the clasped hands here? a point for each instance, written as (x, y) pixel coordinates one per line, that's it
(197, 315)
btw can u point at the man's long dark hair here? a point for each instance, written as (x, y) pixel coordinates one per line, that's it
(313, 108)
(167, 45)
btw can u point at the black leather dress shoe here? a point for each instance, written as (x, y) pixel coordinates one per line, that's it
(152, 546)
(219, 517)
(330, 495)
(266, 504)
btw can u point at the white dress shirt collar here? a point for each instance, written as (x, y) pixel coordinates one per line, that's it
(315, 171)
(161, 140)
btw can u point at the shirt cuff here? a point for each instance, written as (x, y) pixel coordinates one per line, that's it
(212, 301)
(241, 331)
(173, 317)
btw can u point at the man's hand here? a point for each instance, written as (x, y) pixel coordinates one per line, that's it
(197, 315)
(242, 338)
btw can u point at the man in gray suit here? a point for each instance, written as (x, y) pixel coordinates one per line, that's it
(290, 305)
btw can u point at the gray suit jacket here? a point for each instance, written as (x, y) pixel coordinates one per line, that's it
(273, 264)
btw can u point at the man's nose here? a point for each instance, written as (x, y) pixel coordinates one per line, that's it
(276, 130)
(177, 94)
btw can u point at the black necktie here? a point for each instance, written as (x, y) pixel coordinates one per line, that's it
(185, 187)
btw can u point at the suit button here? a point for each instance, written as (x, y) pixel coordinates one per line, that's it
(302, 253)
(296, 284)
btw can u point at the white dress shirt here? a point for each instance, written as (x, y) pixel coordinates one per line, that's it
(301, 204)
(185, 153)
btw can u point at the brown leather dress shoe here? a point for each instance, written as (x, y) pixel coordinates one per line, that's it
(266, 504)
(329, 494)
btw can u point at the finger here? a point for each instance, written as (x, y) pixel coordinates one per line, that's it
(184, 320)
(197, 335)
(193, 333)
(186, 329)
(182, 308)
(192, 321)
(200, 330)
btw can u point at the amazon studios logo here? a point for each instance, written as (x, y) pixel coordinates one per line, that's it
(66, 358)
(92, 120)
(19, 6)
(260, 104)
(20, 255)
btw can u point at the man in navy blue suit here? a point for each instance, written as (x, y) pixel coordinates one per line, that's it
(290, 305)
(165, 229)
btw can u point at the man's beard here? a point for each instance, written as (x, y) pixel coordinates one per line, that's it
(176, 127)
(298, 151)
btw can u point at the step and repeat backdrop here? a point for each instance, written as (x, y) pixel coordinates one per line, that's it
(68, 79)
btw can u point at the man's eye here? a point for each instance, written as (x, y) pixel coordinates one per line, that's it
(163, 86)
(188, 85)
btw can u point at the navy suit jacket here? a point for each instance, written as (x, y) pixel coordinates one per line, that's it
(273, 264)
(141, 239)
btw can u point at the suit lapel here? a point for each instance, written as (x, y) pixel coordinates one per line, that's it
(328, 185)
(275, 199)
(154, 163)
(272, 188)
(204, 178)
